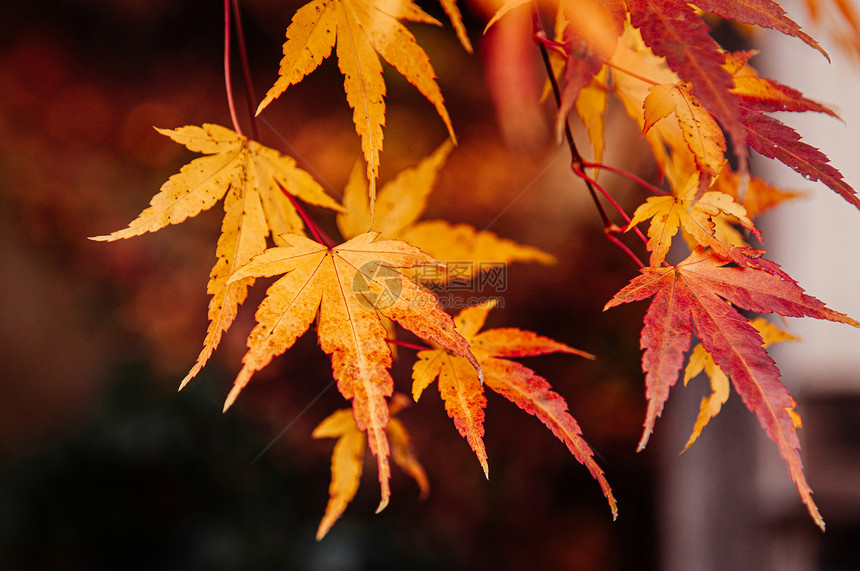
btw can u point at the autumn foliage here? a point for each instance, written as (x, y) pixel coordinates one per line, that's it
(701, 110)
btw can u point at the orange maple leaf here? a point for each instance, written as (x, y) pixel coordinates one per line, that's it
(361, 29)
(351, 287)
(697, 293)
(591, 105)
(463, 392)
(347, 459)
(760, 196)
(252, 179)
(766, 94)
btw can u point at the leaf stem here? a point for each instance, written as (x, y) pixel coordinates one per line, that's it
(612, 231)
(630, 73)
(408, 345)
(607, 196)
(612, 236)
(628, 175)
(318, 233)
(246, 70)
(554, 45)
(227, 80)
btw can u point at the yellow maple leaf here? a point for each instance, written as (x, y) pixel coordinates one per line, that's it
(359, 30)
(351, 287)
(347, 462)
(453, 12)
(253, 180)
(701, 360)
(670, 213)
(400, 204)
(347, 459)
(401, 445)
(701, 132)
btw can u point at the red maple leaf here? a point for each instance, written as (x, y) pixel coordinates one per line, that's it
(764, 13)
(700, 294)
(776, 140)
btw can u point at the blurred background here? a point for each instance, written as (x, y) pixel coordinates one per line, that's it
(103, 465)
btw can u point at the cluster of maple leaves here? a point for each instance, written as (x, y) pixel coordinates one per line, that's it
(696, 105)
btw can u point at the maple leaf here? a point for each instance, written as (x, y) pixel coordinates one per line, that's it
(757, 196)
(673, 30)
(463, 392)
(701, 132)
(701, 360)
(347, 459)
(724, 222)
(400, 204)
(697, 293)
(252, 179)
(347, 462)
(765, 94)
(453, 12)
(696, 217)
(776, 140)
(763, 13)
(350, 287)
(360, 29)
(772, 138)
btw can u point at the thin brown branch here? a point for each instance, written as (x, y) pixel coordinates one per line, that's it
(577, 165)
(575, 157)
